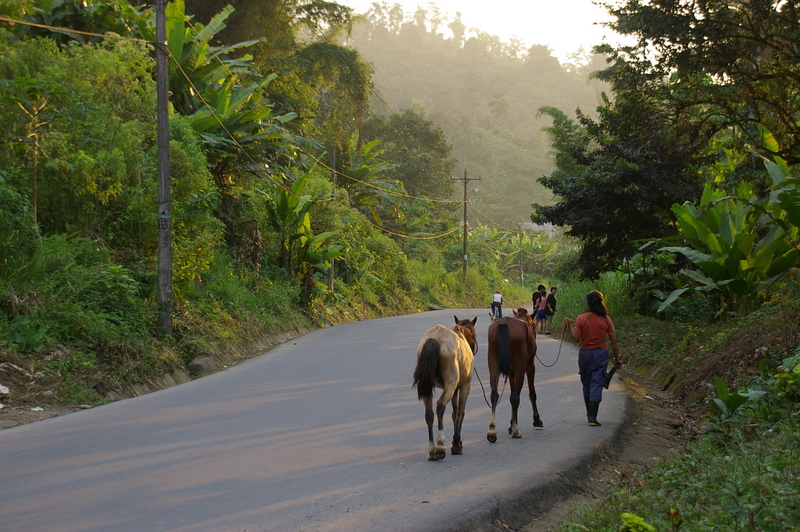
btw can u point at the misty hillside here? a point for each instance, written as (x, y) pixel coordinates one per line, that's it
(484, 94)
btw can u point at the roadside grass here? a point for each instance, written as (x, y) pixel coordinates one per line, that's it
(742, 473)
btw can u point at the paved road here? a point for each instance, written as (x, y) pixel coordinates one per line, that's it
(321, 433)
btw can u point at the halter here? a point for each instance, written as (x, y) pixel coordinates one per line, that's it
(473, 348)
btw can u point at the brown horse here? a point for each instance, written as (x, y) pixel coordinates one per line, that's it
(512, 348)
(444, 360)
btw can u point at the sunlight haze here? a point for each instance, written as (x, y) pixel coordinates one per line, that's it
(564, 26)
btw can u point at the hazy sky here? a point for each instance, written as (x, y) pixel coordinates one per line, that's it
(563, 25)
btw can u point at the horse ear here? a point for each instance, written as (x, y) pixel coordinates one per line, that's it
(456, 317)
(474, 321)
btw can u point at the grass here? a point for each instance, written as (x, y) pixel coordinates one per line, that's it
(742, 473)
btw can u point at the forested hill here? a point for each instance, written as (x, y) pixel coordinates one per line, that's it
(484, 94)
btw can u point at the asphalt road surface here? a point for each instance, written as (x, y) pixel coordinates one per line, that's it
(322, 433)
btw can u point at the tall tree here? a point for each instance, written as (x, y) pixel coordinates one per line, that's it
(323, 82)
(618, 177)
(731, 61)
(418, 152)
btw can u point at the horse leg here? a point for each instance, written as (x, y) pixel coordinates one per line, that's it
(428, 401)
(531, 371)
(516, 390)
(441, 406)
(459, 402)
(491, 435)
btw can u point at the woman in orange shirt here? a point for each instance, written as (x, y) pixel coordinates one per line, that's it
(591, 328)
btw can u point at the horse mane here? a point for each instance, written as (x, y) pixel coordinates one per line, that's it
(466, 328)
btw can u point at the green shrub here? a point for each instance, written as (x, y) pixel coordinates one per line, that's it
(787, 378)
(19, 235)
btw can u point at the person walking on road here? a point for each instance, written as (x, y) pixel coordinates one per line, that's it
(592, 328)
(497, 305)
(541, 312)
(535, 297)
(550, 309)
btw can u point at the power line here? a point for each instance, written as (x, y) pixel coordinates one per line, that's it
(498, 225)
(70, 30)
(233, 139)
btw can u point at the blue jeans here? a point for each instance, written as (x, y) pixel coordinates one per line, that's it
(592, 365)
(499, 307)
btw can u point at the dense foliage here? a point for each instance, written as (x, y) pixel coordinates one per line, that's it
(299, 201)
(291, 207)
(742, 471)
(716, 121)
(694, 106)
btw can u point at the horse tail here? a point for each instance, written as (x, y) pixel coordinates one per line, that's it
(427, 365)
(504, 349)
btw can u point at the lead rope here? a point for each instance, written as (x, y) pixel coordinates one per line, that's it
(484, 389)
(561, 335)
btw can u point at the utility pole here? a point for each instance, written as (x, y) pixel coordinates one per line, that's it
(466, 180)
(164, 201)
(333, 261)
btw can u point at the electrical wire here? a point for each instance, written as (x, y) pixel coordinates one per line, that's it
(69, 30)
(211, 110)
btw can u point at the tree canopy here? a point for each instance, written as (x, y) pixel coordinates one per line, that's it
(730, 62)
(704, 83)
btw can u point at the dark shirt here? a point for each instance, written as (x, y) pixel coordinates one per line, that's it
(551, 304)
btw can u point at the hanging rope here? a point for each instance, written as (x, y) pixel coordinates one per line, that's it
(484, 389)
(561, 336)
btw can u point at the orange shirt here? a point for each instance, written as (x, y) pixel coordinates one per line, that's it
(593, 330)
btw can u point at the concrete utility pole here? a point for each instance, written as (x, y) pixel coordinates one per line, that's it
(164, 201)
(333, 261)
(466, 180)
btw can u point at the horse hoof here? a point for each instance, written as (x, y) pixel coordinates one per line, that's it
(516, 435)
(538, 424)
(457, 450)
(492, 437)
(440, 453)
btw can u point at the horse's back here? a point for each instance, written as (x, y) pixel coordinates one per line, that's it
(516, 327)
(520, 335)
(441, 334)
(455, 354)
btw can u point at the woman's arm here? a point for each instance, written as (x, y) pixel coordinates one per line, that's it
(571, 329)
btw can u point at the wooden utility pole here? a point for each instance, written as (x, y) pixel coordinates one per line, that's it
(164, 201)
(466, 180)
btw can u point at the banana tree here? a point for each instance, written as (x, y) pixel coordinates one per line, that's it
(509, 253)
(290, 217)
(383, 199)
(227, 104)
(225, 99)
(734, 252)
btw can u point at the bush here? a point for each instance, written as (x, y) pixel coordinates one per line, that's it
(19, 236)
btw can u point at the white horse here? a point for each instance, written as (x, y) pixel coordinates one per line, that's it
(444, 360)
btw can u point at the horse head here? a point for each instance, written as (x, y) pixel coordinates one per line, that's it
(522, 314)
(467, 329)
